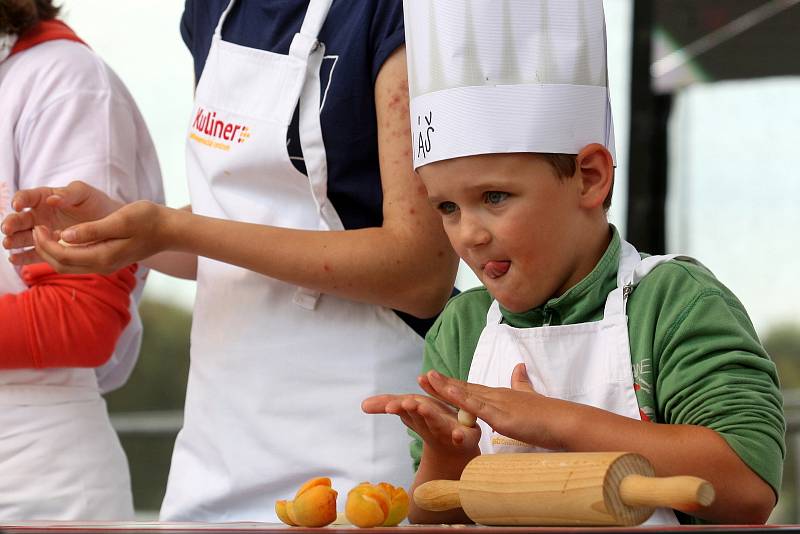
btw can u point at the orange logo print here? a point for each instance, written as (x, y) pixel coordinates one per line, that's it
(217, 133)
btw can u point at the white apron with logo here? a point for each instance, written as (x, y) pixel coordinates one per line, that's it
(60, 459)
(278, 372)
(587, 363)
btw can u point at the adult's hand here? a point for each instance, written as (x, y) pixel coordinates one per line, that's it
(128, 235)
(55, 208)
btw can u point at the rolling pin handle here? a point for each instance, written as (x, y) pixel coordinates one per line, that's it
(684, 493)
(438, 495)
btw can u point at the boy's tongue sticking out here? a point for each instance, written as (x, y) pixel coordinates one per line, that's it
(496, 269)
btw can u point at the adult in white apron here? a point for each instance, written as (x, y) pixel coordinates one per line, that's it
(278, 372)
(59, 456)
(60, 459)
(586, 363)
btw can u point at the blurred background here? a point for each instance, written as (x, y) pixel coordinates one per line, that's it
(706, 103)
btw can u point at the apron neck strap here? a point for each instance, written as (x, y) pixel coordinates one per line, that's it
(632, 269)
(493, 316)
(306, 42)
(222, 18)
(629, 258)
(303, 42)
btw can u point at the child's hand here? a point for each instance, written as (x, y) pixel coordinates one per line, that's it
(432, 419)
(519, 413)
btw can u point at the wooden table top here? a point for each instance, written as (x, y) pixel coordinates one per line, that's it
(94, 527)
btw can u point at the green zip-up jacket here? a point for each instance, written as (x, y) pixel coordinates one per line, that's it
(696, 357)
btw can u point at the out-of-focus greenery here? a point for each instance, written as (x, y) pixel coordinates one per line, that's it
(783, 345)
(157, 383)
(159, 380)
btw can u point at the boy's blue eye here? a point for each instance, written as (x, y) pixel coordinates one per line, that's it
(495, 197)
(446, 208)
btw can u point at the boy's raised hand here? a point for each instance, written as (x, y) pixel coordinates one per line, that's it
(519, 412)
(434, 421)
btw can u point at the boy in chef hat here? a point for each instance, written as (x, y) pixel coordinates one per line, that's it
(574, 342)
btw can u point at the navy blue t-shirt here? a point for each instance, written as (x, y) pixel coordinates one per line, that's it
(359, 35)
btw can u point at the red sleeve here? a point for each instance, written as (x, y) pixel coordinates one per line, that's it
(64, 320)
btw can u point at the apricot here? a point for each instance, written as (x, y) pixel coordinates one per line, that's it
(281, 509)
(367, 505)
(308, 484)
(375, 505)
(314, 505)
(398, 508)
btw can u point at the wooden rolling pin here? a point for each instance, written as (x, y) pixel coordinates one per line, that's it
(562, 488)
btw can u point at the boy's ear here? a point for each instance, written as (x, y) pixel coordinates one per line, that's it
(595, 168)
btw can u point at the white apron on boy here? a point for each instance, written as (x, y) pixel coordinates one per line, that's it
(586, 363)
(64, 460)
(259, 417)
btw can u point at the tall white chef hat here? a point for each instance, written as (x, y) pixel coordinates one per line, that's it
(498, 76)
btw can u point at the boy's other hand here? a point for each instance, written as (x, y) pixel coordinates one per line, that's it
(519, 412)
(434, 421)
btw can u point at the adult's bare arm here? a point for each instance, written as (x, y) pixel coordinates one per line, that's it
(406, 264)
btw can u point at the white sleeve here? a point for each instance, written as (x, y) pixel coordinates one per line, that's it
(81, 123)
(83, 135)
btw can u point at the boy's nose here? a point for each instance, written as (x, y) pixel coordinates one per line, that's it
(473, 233)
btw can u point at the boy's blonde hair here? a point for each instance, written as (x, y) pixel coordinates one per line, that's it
(565, 166)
